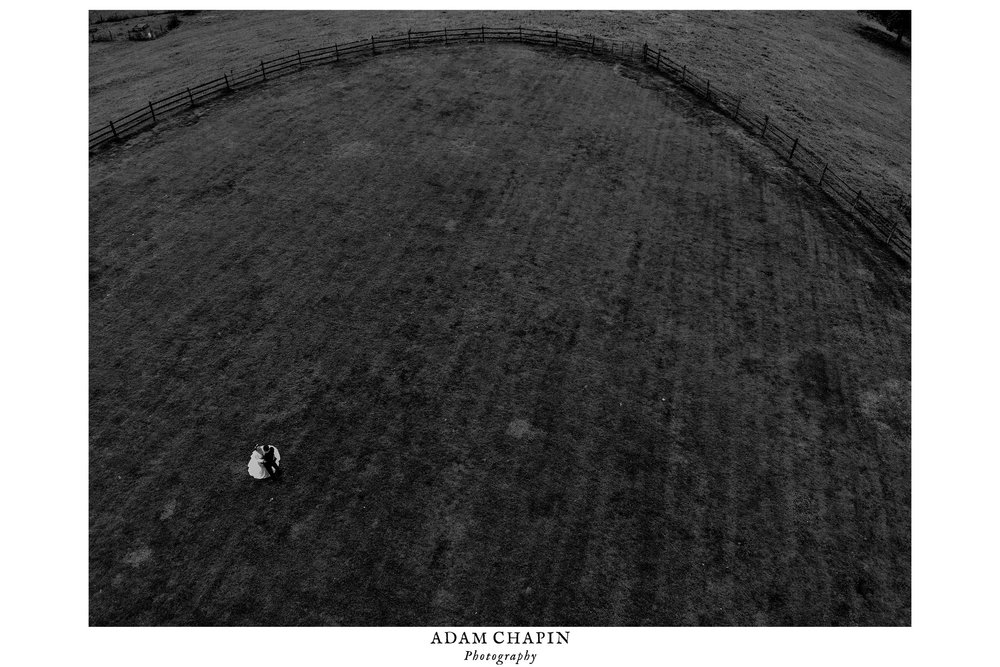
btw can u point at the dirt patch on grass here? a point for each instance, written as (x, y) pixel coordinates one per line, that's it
(520, 429)
(356, 149)
(138, 556)
(168, 509)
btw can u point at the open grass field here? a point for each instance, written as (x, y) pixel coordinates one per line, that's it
(816, 73)
(542, 342)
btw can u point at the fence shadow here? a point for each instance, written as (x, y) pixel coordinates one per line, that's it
(884, 39)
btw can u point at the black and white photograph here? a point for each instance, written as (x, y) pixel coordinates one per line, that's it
(499, 327)
(544, 318)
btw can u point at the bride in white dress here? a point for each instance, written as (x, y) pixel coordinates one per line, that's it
(256, 466)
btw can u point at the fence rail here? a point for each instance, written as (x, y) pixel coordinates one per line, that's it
(888, 228)
(892, 228)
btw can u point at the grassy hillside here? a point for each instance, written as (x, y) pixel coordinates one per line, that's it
(539, 346)
(814, 72)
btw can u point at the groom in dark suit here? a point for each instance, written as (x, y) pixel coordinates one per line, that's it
(270, 465)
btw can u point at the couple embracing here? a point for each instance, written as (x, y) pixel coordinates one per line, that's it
(264, 463)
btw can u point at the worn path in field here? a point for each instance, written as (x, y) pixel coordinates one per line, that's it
(539, 345)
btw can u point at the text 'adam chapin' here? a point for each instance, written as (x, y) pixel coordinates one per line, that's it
(502, 637)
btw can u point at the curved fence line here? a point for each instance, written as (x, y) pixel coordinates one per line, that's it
(889, 228)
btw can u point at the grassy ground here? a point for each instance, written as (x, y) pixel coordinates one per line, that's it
(108, 26)
(539, 345)
(816, 73)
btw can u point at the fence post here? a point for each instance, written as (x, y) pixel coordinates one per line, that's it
(892, 231)
(113, 130)
(446, 37)
(593, 40)
(191, 97)
(226, 77)
(409, 39)
(708, 90)
(657, 60)
(373, 45)
(482, 33)
(520, 37)
(737, 114)
(299, 54)
(557, 38)
(336, 53)
(823, 175)
(794, 146)
(764, 131)
(645, 48)
(152, 113)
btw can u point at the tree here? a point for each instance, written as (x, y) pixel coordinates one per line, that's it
(896, 21)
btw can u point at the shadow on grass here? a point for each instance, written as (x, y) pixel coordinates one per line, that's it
(884, 39)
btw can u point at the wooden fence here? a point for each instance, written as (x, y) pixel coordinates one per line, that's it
(889, 228)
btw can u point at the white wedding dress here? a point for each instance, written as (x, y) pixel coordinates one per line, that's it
(256, 467)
